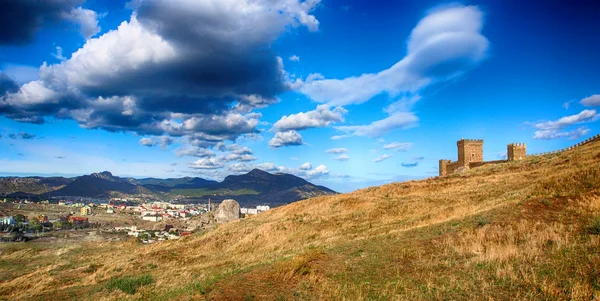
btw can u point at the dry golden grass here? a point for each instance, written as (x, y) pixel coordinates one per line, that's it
(516, 230)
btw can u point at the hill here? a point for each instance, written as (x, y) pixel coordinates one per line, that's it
(32, 185)
(523, 230)
(253, 188)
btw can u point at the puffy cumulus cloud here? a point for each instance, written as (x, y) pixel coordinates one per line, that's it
(581, 117)
(317, 172)
(399, 120)
(294, 58)
(305, 166)
(86, 19)
(321, 117)
(556, 134)
(591, 101)
(287, 138)
(147, 142)
(206, 163)
(237, 157)
(20, 20)
(398, 146)
(268, 166)
(163, 141)
(382, 158)
(342, 157)
(195, 151)
(238, 168)
(178, 68)
(240, 150)
(445, 44)
(338, 150)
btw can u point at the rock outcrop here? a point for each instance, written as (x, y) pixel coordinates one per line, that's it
(229, 210)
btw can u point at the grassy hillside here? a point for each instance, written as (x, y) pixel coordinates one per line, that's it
(524, 230)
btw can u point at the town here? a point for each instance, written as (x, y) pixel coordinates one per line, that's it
(26, 220)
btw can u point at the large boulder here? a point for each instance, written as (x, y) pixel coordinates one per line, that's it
(229, 210)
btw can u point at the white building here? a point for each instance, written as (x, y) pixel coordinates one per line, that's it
(262, 208)
(152, 218)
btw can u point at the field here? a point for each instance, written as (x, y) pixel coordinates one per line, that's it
(526, 230)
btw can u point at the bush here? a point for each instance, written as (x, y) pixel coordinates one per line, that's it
(594, 228)
(128, 284)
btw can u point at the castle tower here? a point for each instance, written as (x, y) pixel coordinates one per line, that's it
(443, 167)
(516, 151)
(469, 150)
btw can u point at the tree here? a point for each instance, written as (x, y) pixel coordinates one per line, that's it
(19, 218)
(34, 224)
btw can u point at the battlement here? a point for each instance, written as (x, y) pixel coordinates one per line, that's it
(463, 140)
(470, 154)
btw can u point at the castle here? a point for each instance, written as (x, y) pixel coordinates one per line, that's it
(470, 155)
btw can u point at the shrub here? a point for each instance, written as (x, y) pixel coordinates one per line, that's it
(128, 284)
(594, 228)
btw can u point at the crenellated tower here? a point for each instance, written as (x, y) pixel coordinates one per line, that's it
(516, 151)
(469, 150)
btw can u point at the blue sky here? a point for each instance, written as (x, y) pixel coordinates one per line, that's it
(347, 94)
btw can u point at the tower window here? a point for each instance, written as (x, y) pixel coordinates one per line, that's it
(472, 157)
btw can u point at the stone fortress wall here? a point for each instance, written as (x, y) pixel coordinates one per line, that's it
(470, 154)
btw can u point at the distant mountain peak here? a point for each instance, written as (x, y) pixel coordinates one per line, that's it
(107, 175)
(257, 171)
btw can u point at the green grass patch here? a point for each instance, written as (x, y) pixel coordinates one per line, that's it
(128, 284)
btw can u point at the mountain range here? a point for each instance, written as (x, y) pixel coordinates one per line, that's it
(255, 187)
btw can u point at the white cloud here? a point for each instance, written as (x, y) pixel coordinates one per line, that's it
(591, 101)
(206, 163)
(195, 151)
(294, 58)
(238, 157)
(581, 117)
(58, 54)
(382, 158)
(287, 138)
(163, 141)
(305, 166)
(86, 19)
(443, 45)
(398, 146)
(320, 117)
(339, 150)
(147, 142)
(556, 134)
(342, 157)
(338, 137)
(398, 120)
(317, 172)
(176, 67)
(268, 166)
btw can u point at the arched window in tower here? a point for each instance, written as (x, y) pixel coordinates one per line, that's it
(472, 157)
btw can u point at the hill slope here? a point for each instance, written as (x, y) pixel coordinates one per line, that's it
(253, 188)
(523, 230)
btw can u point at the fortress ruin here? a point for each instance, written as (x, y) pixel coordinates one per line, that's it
(470, 154)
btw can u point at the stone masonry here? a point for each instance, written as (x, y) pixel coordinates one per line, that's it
(470, 155)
